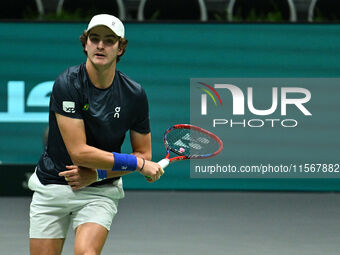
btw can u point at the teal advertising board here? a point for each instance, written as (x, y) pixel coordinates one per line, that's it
(163, 58)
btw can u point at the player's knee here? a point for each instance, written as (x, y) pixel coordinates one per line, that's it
(46, 246)
(88, 251)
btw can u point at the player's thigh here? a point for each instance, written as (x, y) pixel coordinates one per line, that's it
(96, 205)
(46, 246)
(90, 238)
(49, 210)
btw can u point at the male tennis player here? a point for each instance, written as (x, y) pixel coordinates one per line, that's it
(92, 106)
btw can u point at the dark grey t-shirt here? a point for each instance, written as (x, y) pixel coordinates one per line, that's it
(107, 113)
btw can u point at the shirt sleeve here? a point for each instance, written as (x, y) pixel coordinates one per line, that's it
(65, 98)
(142, 121)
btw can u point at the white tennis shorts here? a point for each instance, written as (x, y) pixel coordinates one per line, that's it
(54, 207)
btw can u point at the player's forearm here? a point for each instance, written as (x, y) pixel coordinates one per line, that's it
(112, 174)
(91, 157)
(146, 155)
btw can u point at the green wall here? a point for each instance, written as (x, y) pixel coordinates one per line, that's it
(163, 58)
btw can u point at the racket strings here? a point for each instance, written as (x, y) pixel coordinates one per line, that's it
(191, 143)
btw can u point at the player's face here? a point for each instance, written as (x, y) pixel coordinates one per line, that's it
(102, 46)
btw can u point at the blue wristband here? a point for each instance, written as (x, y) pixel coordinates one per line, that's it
(124, 162)
(101, 175)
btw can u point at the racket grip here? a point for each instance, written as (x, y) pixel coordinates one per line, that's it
(164, 162)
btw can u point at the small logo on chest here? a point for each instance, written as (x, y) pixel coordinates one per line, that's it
(117, 110)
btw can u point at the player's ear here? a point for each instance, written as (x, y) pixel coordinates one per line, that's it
(120, 51)
(86, 41)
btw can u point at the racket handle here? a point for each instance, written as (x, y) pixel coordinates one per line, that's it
(164, 162)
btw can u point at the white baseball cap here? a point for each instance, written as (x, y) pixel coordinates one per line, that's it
(109, 21)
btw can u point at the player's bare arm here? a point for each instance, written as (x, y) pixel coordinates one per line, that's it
(73, 133)
(141, 146)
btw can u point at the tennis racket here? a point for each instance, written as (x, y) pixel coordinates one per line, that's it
(189, 142)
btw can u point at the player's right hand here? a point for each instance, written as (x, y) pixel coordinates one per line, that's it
(152, 171)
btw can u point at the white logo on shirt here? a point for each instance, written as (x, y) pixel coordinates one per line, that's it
(117, 110)
(69, 106)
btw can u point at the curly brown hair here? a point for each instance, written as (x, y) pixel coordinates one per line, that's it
(122, 44)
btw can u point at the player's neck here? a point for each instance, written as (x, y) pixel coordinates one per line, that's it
(101, 76)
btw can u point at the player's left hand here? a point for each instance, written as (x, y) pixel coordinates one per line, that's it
(79, 177)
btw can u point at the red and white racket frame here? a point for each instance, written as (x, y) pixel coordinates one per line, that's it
(166, 161)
